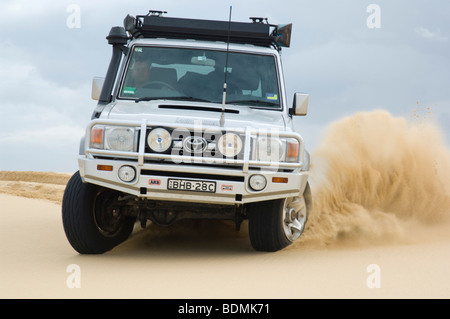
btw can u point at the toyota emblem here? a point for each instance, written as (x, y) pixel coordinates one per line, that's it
(194, 144)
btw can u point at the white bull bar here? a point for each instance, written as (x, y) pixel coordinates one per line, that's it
(245, 162)
(235, 179)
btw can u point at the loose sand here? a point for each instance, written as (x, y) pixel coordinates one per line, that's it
(379, 229)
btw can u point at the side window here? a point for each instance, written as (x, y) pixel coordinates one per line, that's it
(253, 77)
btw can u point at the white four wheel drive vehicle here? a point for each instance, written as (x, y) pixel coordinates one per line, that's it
(192, 122)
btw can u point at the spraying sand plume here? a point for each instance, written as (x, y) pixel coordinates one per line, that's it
(372, 174)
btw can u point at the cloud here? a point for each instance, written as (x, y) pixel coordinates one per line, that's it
(30, 100)
(47, 137)
(42, 120)
(429, 35)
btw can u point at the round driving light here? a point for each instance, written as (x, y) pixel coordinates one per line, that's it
(120, 138)
(159, 140)
(229, 144)
(127, 173)
(257, 182)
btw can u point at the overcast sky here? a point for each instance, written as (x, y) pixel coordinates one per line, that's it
(348, 55)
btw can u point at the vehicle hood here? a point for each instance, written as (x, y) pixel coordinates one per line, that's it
(190, 113)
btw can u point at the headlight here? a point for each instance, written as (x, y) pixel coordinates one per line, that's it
(119, 139)
(159, 140)
(229, 145)
(270, 149)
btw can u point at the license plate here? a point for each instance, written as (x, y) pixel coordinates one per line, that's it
(191, 185)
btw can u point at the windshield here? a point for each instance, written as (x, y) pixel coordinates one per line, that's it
(198, 75)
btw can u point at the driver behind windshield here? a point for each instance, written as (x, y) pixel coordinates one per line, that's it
(140, 72)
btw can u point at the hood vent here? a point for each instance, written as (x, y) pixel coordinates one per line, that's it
(197, 108)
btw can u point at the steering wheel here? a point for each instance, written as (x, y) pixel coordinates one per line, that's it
(160, 84)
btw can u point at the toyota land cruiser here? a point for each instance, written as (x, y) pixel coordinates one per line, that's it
(192, 122)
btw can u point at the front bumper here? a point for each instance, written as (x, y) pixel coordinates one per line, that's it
(232, 185)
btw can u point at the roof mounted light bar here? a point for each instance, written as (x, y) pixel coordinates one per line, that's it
(155, 25)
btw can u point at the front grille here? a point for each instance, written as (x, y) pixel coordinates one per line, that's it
(192, 144)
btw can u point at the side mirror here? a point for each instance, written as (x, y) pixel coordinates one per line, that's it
(97, 84)
(300, 104)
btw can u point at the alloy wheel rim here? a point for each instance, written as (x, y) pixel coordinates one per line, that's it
(294, 217)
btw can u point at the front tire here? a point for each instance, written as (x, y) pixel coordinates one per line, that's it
(274, 225)
(93, 221)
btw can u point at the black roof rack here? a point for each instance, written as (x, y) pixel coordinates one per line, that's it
(158, 26)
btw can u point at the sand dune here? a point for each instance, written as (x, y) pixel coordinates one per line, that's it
(40, 185)
(379, 229)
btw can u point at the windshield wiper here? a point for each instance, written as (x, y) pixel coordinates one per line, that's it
(185, 98)
(253, 101)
